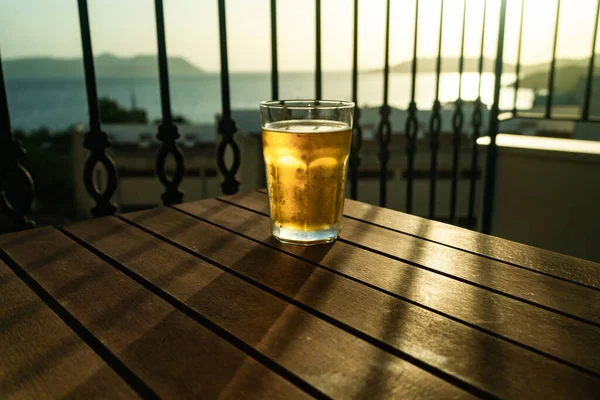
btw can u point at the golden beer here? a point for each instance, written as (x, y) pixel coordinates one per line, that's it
(306, 163)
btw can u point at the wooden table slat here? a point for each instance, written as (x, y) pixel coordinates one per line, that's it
(198, 300)
(558, 295)
(559, 265)
(41, 357)
(544, 331)
(173, 354)
(443, 343)
(330, 359)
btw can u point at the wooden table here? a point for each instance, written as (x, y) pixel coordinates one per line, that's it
(199, 301)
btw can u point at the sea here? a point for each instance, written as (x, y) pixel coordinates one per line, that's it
(57, 103)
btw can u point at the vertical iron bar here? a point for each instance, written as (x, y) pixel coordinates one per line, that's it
(384, 130)
(411, 127)
(585, 115)
(518, 68)
(476, 122)
(318, 49)
(435, 123)
(13, 217)
(274, 67)
(457, 123)
(356, 129)
(163, 67)
(548, 112)
(96, 141)
(492, 150)
(227, 127)
(5, 128)
(167, 131)
(88, 65)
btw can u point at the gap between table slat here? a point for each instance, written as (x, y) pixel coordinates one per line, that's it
(327, 357)
(164, 350)
(567, 299)
(191, 237)
(41, 356)
(560, 266)
(535, 329)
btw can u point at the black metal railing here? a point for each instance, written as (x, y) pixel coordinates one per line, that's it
(492, 149)
(96, 141)
(274, 66)
(550, 88)
(435, 121)
(357, 139)
(13, 215)
(411, 128)
(167, 131)
(476, 122)
(384, 130)
(457, 121)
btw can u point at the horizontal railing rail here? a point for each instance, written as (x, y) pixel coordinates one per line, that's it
(463, 125)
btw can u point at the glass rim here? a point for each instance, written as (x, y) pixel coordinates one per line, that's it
(307, 104)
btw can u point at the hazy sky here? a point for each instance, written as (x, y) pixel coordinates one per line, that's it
(127, 27)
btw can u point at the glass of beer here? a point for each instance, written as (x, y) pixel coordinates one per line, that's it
(306, 144)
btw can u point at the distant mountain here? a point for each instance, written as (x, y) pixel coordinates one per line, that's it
(449, 64)
(106, 65)
(566, 79)
(568, 74)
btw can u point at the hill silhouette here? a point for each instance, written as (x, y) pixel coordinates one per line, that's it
(568, 74)
(449, 64)
(106, 65)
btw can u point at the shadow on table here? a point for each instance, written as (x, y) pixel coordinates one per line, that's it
(377, 383)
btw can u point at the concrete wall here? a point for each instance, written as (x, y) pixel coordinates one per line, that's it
(548, 194)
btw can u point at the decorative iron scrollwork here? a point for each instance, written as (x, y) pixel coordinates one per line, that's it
(97, 143)
(384, 135)
(476, 122)
(435, 127)
(168, 134)
(227, 128)
(14, 215)
(411, 130)
(457, 125)
(357, 142)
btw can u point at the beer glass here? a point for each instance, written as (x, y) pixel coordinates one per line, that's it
(306, 144)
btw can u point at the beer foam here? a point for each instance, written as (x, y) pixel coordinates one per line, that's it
(307, 126)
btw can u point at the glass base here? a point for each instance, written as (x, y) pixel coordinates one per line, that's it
(305, 238)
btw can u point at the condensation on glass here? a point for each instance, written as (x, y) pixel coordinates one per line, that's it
(306, 144)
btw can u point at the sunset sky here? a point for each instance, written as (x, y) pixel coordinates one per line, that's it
(51, 28)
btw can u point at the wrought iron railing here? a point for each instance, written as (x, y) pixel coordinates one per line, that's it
(96, 141)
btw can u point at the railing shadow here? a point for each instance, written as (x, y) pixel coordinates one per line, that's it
(391, 328)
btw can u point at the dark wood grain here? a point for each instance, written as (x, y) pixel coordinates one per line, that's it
(564, 297)
(535, 328)
(332, 360)
(447, 345)
(172, 354)
(562, 266)
(544, 261)
(40, 357)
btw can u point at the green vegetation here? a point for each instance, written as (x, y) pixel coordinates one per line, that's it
(112, 112)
